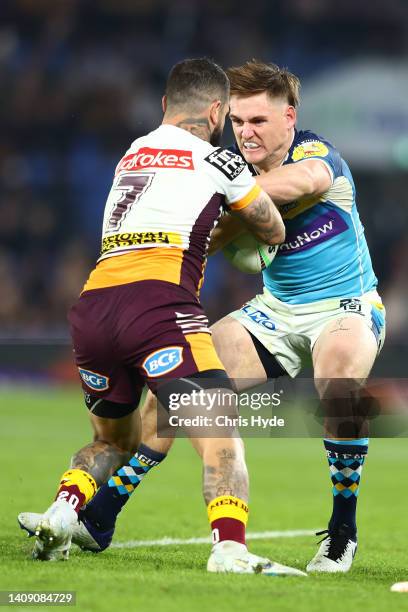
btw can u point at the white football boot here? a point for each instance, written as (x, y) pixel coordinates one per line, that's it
(29, 521)
(54, 532)
(232, 557)
(83, 534)
(335, 554)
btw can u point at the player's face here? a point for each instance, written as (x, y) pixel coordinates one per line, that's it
(263, 127)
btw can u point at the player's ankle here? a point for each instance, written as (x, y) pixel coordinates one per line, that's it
(76, 488)
(227, 545)
(344, 529)
(228, 516)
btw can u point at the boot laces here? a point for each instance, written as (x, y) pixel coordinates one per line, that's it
(337, 544)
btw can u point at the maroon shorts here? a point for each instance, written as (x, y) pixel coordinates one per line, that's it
(142, 332)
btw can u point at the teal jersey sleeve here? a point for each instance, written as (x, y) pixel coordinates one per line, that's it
(308, 145)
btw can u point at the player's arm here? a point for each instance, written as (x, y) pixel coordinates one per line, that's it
(244, 199)
(292, 182)
(262, 218)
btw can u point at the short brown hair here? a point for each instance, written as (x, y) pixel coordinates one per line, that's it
(195, 83)
(255, 77)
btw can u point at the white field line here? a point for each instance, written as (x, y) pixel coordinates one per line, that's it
(260, 535)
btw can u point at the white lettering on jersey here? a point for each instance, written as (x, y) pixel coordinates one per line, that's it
(227, 162)
(156, 158)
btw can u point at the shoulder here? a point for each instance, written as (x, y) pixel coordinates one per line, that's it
(226, 161)
(309, 145)
(230, 171)
(235, 149)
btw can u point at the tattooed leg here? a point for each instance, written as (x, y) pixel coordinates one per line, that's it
(225, 487)
(100, 459)
(115, 441)
(224, 469)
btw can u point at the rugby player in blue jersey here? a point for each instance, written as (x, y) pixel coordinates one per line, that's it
(319, 293)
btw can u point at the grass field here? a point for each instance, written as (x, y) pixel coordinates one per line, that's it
(290, 489)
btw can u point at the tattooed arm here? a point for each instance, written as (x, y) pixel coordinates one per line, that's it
(263, 219)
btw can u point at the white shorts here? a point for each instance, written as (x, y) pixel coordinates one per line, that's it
(289, 331)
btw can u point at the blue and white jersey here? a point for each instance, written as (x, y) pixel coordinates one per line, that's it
(325, 253)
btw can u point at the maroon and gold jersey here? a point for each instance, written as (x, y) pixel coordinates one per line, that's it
(169, 190)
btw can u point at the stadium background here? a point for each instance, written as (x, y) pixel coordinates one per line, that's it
(81, 80)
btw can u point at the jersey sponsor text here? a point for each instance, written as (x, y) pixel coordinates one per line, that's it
(163, 361)
(230, 164)
(128, 239)
(323, 228)
(156, 158)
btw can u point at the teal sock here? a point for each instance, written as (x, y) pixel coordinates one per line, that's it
(110, 498)
(346, 459)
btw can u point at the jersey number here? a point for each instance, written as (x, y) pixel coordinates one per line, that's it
(125, 192)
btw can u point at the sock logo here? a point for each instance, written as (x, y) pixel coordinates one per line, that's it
(227, 507)
(228, 501)
(146, 460)
(215, 535)
(71, 499)
(333, 455)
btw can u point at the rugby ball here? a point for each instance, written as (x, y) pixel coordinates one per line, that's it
(249, 255)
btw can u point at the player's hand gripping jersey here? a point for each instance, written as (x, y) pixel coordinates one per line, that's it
(325, 252)
(168, 193)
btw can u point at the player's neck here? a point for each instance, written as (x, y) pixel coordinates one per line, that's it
(197, 125)
(277, 157)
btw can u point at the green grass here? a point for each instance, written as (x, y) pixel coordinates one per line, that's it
(290, 489)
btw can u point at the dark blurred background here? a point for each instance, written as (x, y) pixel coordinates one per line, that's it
(81, 79)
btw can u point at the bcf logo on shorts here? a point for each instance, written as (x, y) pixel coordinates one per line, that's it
(258, 317)
(93, 380)
(163, 361)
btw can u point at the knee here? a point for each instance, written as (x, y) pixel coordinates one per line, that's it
(341, 384)
(342, 365)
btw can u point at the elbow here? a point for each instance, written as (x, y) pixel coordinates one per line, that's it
(275, 236)
(280, 233)
(310, 184)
